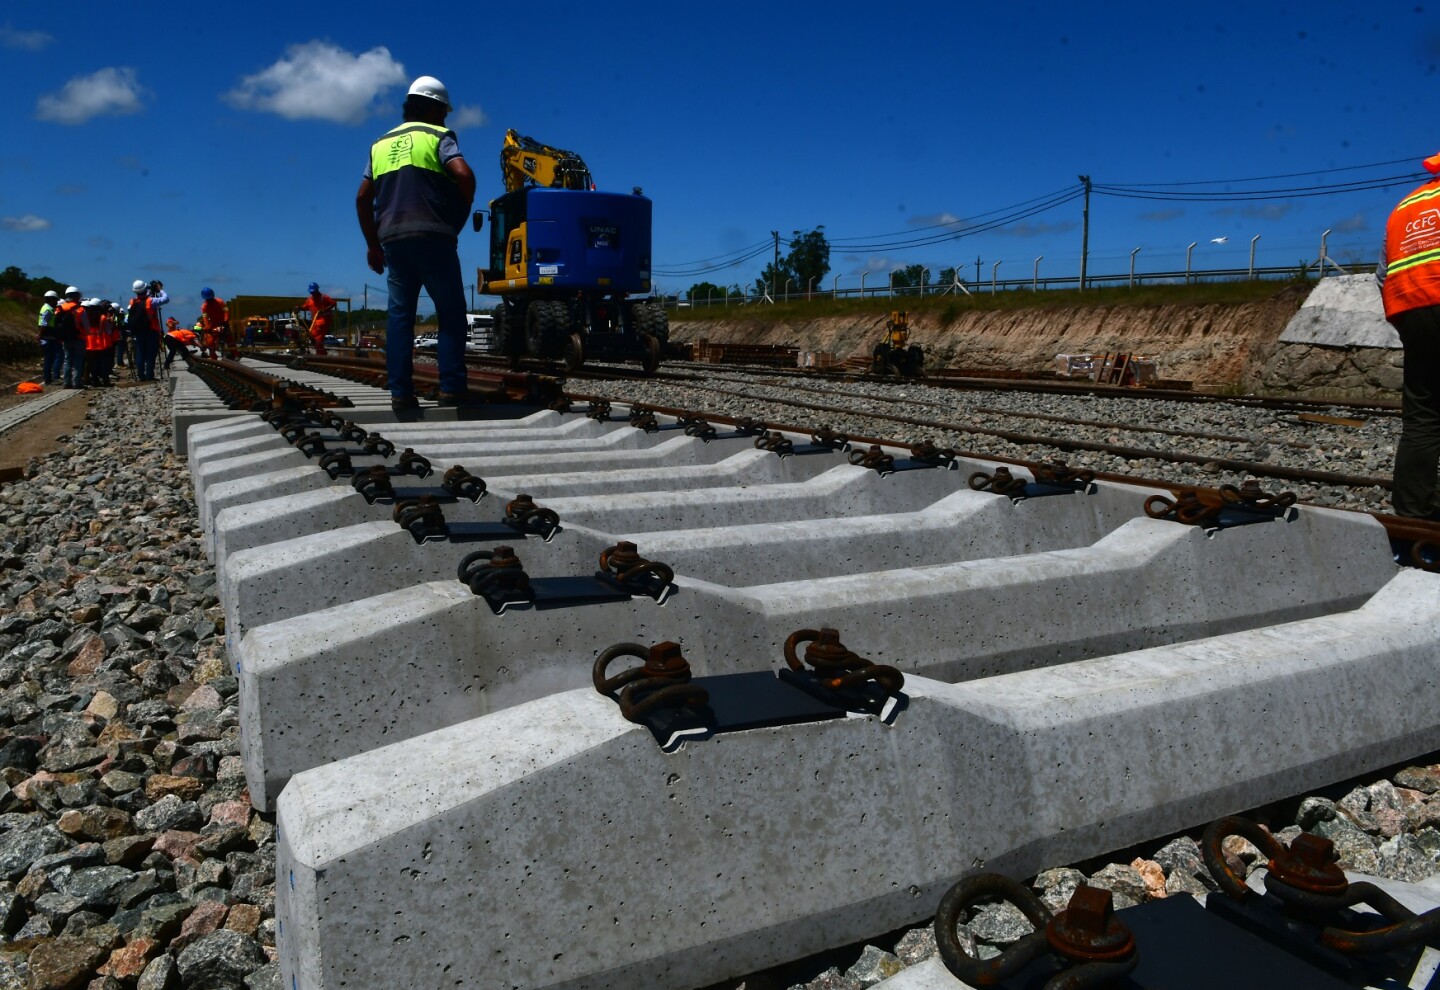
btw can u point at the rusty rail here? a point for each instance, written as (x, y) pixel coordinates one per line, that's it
(244, 387)
(483, 386)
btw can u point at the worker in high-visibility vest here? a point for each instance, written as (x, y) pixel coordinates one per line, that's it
(178, 340)
(215, 319)
(1409, 274)
(321, 308)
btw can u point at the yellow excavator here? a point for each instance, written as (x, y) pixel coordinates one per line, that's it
(895, 355)
(527, 162)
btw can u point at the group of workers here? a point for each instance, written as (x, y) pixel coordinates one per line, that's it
(83, 341)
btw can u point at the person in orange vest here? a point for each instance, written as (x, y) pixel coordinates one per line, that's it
(143, 321)
(320, 307)
(178, 340)
(1409, 276)
(215, 319)
(97, 339)
(72, 327)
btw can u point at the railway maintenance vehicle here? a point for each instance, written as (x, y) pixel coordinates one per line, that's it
(569, 263)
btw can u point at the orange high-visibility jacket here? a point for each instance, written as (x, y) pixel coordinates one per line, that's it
(1412, 252)
(214, 314)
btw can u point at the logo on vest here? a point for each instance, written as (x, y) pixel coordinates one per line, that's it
(1424, 227)
(400, 148)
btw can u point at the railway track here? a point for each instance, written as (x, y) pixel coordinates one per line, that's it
(429, 670)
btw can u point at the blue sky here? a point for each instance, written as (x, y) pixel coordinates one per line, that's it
(223, 147)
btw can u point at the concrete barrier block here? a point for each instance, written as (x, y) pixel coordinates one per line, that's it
(442, 853)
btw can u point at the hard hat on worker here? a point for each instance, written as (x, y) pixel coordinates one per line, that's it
(52, 294)
(71, 292)
(313, 287)
(432, 89)
(137, 285)
(1432, 164)
(207, 293)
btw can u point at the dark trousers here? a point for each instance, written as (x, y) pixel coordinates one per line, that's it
(172, 348)
(147, 347)
(53, 360)
(1417, 455)
(74, 362)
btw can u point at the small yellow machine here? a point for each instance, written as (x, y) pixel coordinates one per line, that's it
(895, 355)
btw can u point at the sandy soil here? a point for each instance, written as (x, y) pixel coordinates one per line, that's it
(40, 436)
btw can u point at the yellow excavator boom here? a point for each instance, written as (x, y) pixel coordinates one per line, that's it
(525, 161)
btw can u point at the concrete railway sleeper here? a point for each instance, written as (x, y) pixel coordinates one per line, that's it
(423, 718)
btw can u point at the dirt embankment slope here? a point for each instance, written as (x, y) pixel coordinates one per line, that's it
(17, 335)
(1224, 344)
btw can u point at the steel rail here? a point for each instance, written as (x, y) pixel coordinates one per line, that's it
(482, 386)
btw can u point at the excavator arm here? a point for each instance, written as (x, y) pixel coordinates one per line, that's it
(525, 161)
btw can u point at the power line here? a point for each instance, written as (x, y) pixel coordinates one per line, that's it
(1267, 178)
(701, 269)
(727, 258)
(951, 224)
(1247, 195)
(998, 218)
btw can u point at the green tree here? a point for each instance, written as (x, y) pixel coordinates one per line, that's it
(808, 260)
(774, 280)
(41, 284)
(702, 291)
(946, 278)
(14, 278)
(909, 277)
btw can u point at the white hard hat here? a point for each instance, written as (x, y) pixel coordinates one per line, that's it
(432, 89)
(137, 285)
(52, 294)
(91, 302)
(72, 292)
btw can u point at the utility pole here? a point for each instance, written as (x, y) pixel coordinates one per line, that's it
(977, 269)
(1085, 233)
(775, 269)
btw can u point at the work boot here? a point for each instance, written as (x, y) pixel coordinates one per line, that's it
(449, 400)
(401, 402)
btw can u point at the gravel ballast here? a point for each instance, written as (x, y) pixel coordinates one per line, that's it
(1260, 435)
(129, 854)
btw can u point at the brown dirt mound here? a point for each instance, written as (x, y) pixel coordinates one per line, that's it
(1224, 344)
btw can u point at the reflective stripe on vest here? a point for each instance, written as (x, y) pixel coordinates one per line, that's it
(1412, 252)
(412, 143)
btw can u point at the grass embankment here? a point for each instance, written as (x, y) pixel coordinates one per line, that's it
(17, 333)
(948, 308)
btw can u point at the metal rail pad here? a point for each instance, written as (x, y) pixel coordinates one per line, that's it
(736, 703)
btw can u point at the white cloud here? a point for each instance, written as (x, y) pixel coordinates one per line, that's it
(26, 224)
(30, 41)
(465, 117)
(320, 81)
(108, 91)
(934, 220)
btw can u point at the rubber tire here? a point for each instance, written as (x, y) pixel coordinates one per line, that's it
(574, 352)
(651, 319)
(509, 338)
(915, 361)
(661, 325)
(880, 359)
(543, 328)
(650, 355)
